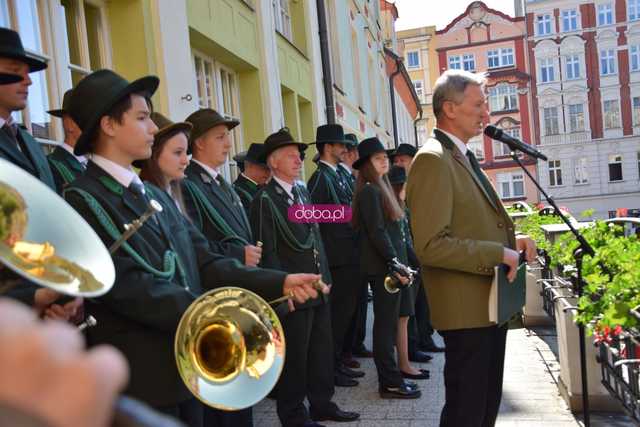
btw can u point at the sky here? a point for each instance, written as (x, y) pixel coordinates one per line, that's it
(420, 13)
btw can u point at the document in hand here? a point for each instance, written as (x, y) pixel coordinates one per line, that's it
(506, 299)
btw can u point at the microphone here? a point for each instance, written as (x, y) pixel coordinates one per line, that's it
(513, 143)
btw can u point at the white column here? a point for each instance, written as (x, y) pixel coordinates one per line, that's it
(270, 71)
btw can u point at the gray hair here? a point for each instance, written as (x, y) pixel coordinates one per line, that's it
(451, 85)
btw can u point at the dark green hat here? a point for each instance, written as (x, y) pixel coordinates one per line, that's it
(166, 126)
(354, 141)
(253, 155)
(11, 47)
(96, 95)
(397, 175)
(205, 119)
(405, 150)
(367, 148)
(65, 105)
(280, 139)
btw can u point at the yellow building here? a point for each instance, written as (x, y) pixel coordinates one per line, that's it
(417, 46)
(251, 60)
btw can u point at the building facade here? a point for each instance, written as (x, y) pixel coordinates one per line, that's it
(256, 61)
(585, 67)
(486, 40)
(417, 47)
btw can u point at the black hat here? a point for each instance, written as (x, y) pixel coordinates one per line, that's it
(331, 134)
(95, 95)
(11, 47)
(280, 139)
(367, 148)
(405, 150)
(397, 175)
(205, 119)
(354, 141)
(65, 105)
(7, 79)
(252, 155)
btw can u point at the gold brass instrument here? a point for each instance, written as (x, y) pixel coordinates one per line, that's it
(230, 348)
(46, 241)
(131, 229)
(391, 282)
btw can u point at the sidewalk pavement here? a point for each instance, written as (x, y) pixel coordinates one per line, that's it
(530, 395)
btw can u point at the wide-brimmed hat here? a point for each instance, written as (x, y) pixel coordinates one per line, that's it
(331, 134)
(279, 139)
(65, 105)
(253, 155)
(166, 126)
(367, 148)
(205, 119)
(11, 47)
(397, 175)
(405, 150)
(95, 95)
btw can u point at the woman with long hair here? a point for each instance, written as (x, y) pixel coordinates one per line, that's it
(377, 217)
(165, 168)
(397, 178)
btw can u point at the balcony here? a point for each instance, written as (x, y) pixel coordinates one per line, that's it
(566, 138)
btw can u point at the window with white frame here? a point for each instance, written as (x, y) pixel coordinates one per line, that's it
(551, 122)
(607, 62)
(555, 173)
(611, 109)
(572, 67)
(633, 10)
(569, 20)
(413, 59)
(580, 171)
(282, 18)
(510, 185)
(634, 60)
(547, 72)
(635, 103)
(500, 149)
(543, 24)
(500, 57)
(419, 88)
(455, 63)
(615, 167)
(468, 62)
(605, 14)
(217, 88)
(503, 97)
(356, 67)
(336, 43)
(576, 117)
(476, 145)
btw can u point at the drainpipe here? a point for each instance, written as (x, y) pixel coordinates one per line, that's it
(393, 102)
(326, 63)
(415, 123)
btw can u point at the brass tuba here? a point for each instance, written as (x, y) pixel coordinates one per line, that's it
(230, 348)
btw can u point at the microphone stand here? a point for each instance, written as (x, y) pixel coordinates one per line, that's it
(584, 248)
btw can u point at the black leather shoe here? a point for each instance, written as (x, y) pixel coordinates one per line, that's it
(420, 357)
(423, 375)
(350, 362)
(362, 352)
(344, 381)
(429, 346)
(335, 414)
(347, 372)
(401, 392)
(312, 424)
(412, 385)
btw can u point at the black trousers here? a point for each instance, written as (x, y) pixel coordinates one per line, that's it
(308, 367)
(189, 412)
(386, 308)
(344, 299)
(473, 371)
(357, 331)
(420, 328)
(218, 418)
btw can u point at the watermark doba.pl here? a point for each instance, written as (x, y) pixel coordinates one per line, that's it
(319, 213)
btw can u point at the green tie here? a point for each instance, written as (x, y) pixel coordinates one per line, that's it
(481, 176)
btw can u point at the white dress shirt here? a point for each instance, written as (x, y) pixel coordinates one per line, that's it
(81, 159)
(123, 175)
(211, 171)
(461, 145)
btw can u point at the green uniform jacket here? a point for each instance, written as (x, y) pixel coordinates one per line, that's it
(139, 316)
(459, 232)
(65, 167)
